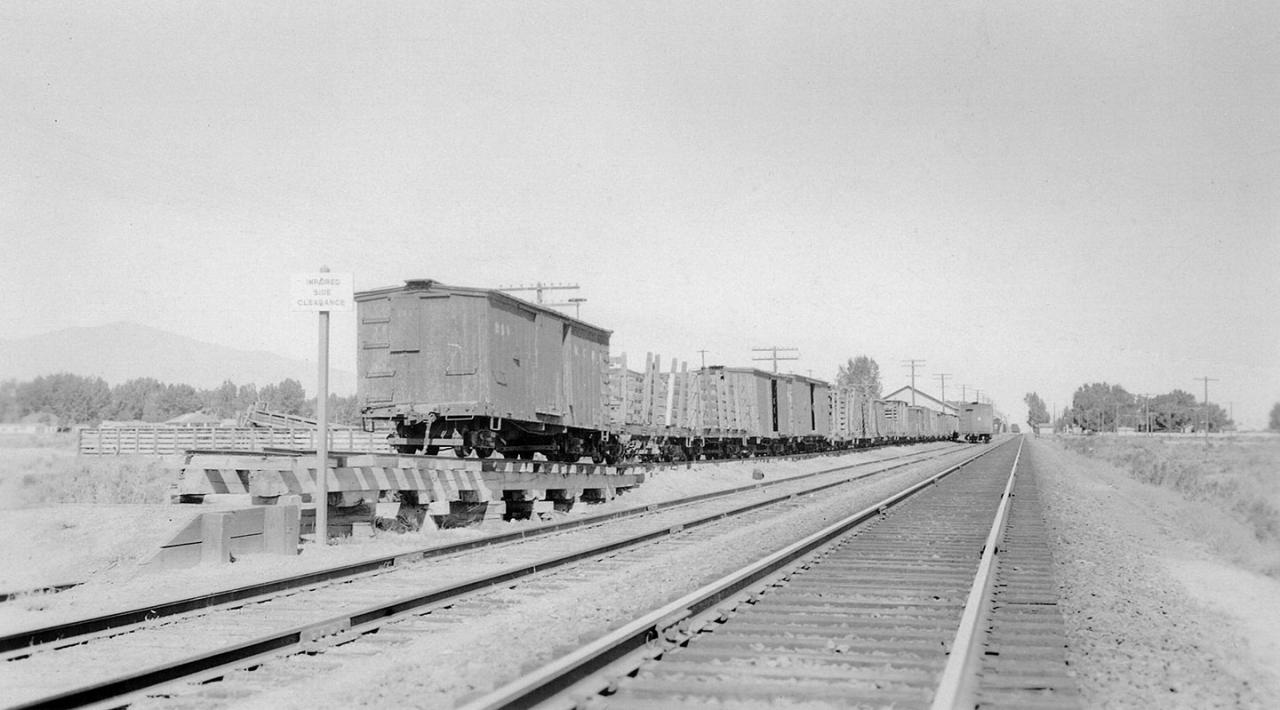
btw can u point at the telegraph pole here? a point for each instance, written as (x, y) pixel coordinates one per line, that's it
(943, 377)
(912, 364)
(1206, 381)
(538, 288)
(775, 357)
(703, 353)
(964, 397)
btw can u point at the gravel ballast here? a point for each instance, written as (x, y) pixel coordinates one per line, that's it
(1153, 619)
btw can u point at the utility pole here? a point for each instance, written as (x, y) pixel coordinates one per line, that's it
(538, 288)
(963, 390)
(775, 357)
(943, 377)
(912, 364)
(703, 353)
(575, 302)
(1205, 419)
(1146, 411)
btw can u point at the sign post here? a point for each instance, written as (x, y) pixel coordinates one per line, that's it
(321, 293)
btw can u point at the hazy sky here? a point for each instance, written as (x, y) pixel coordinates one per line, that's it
(1029, 196)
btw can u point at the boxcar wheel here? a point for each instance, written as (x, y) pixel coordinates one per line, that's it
(462, 451)
(484, 452)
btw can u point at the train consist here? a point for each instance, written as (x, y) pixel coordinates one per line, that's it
(480, 371)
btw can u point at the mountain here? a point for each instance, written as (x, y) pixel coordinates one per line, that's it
(123, 351)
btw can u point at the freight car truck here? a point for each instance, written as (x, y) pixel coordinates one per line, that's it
(977, 422)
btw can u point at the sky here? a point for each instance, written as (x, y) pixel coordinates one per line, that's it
(1026, 196)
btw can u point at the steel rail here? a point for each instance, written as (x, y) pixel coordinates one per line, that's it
(72, 631)
(361, 621)
(959, 677)
(671, 621)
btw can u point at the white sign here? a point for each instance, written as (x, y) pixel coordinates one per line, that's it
(322, 291)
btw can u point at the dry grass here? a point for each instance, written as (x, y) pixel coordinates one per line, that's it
(1238, 475)
(44, 470)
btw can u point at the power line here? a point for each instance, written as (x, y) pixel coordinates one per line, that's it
(775, 357)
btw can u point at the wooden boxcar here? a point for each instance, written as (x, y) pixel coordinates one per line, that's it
(891, 419)
(478, 369)
(948, 425)
(775, 411)
(808, 424)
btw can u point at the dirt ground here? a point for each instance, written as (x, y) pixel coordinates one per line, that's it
(1154, 617)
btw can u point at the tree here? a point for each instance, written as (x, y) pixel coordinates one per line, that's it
(1174, 411)
(288, 397)
(861, 373)
(73, 399)
(1037, 413)
(1275, 418)
(1098, 406)
(136, 399)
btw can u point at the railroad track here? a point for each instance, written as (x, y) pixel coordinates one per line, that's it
(651, 466)
(938, 603)
(304, 614)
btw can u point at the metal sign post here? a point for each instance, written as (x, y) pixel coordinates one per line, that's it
(321, 293)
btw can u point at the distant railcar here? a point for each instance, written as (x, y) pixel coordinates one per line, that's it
(477, 369)
(977, 422)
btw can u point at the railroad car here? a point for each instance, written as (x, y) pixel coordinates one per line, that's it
(948, 425)
(652, 414)
(852, 423)
(917, 424)
(977, 422)
(892, 419)
(809, 408)
(478, 369)
(763, 405)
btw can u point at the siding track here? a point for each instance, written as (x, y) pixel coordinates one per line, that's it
(213, 644)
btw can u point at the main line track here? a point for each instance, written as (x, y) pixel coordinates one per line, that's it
(936, 603)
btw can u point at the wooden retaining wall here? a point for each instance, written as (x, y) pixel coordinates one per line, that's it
(162, 440)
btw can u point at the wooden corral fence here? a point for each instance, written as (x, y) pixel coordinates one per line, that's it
(160, 440)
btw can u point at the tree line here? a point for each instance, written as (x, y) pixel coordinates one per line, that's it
(1099, 406)
(76, 400)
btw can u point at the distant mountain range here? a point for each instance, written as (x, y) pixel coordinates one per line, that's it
(123, 351)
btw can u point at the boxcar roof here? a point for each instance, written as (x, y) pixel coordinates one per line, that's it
(495, 294)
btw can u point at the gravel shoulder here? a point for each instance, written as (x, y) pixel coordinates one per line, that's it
(1154, 617)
